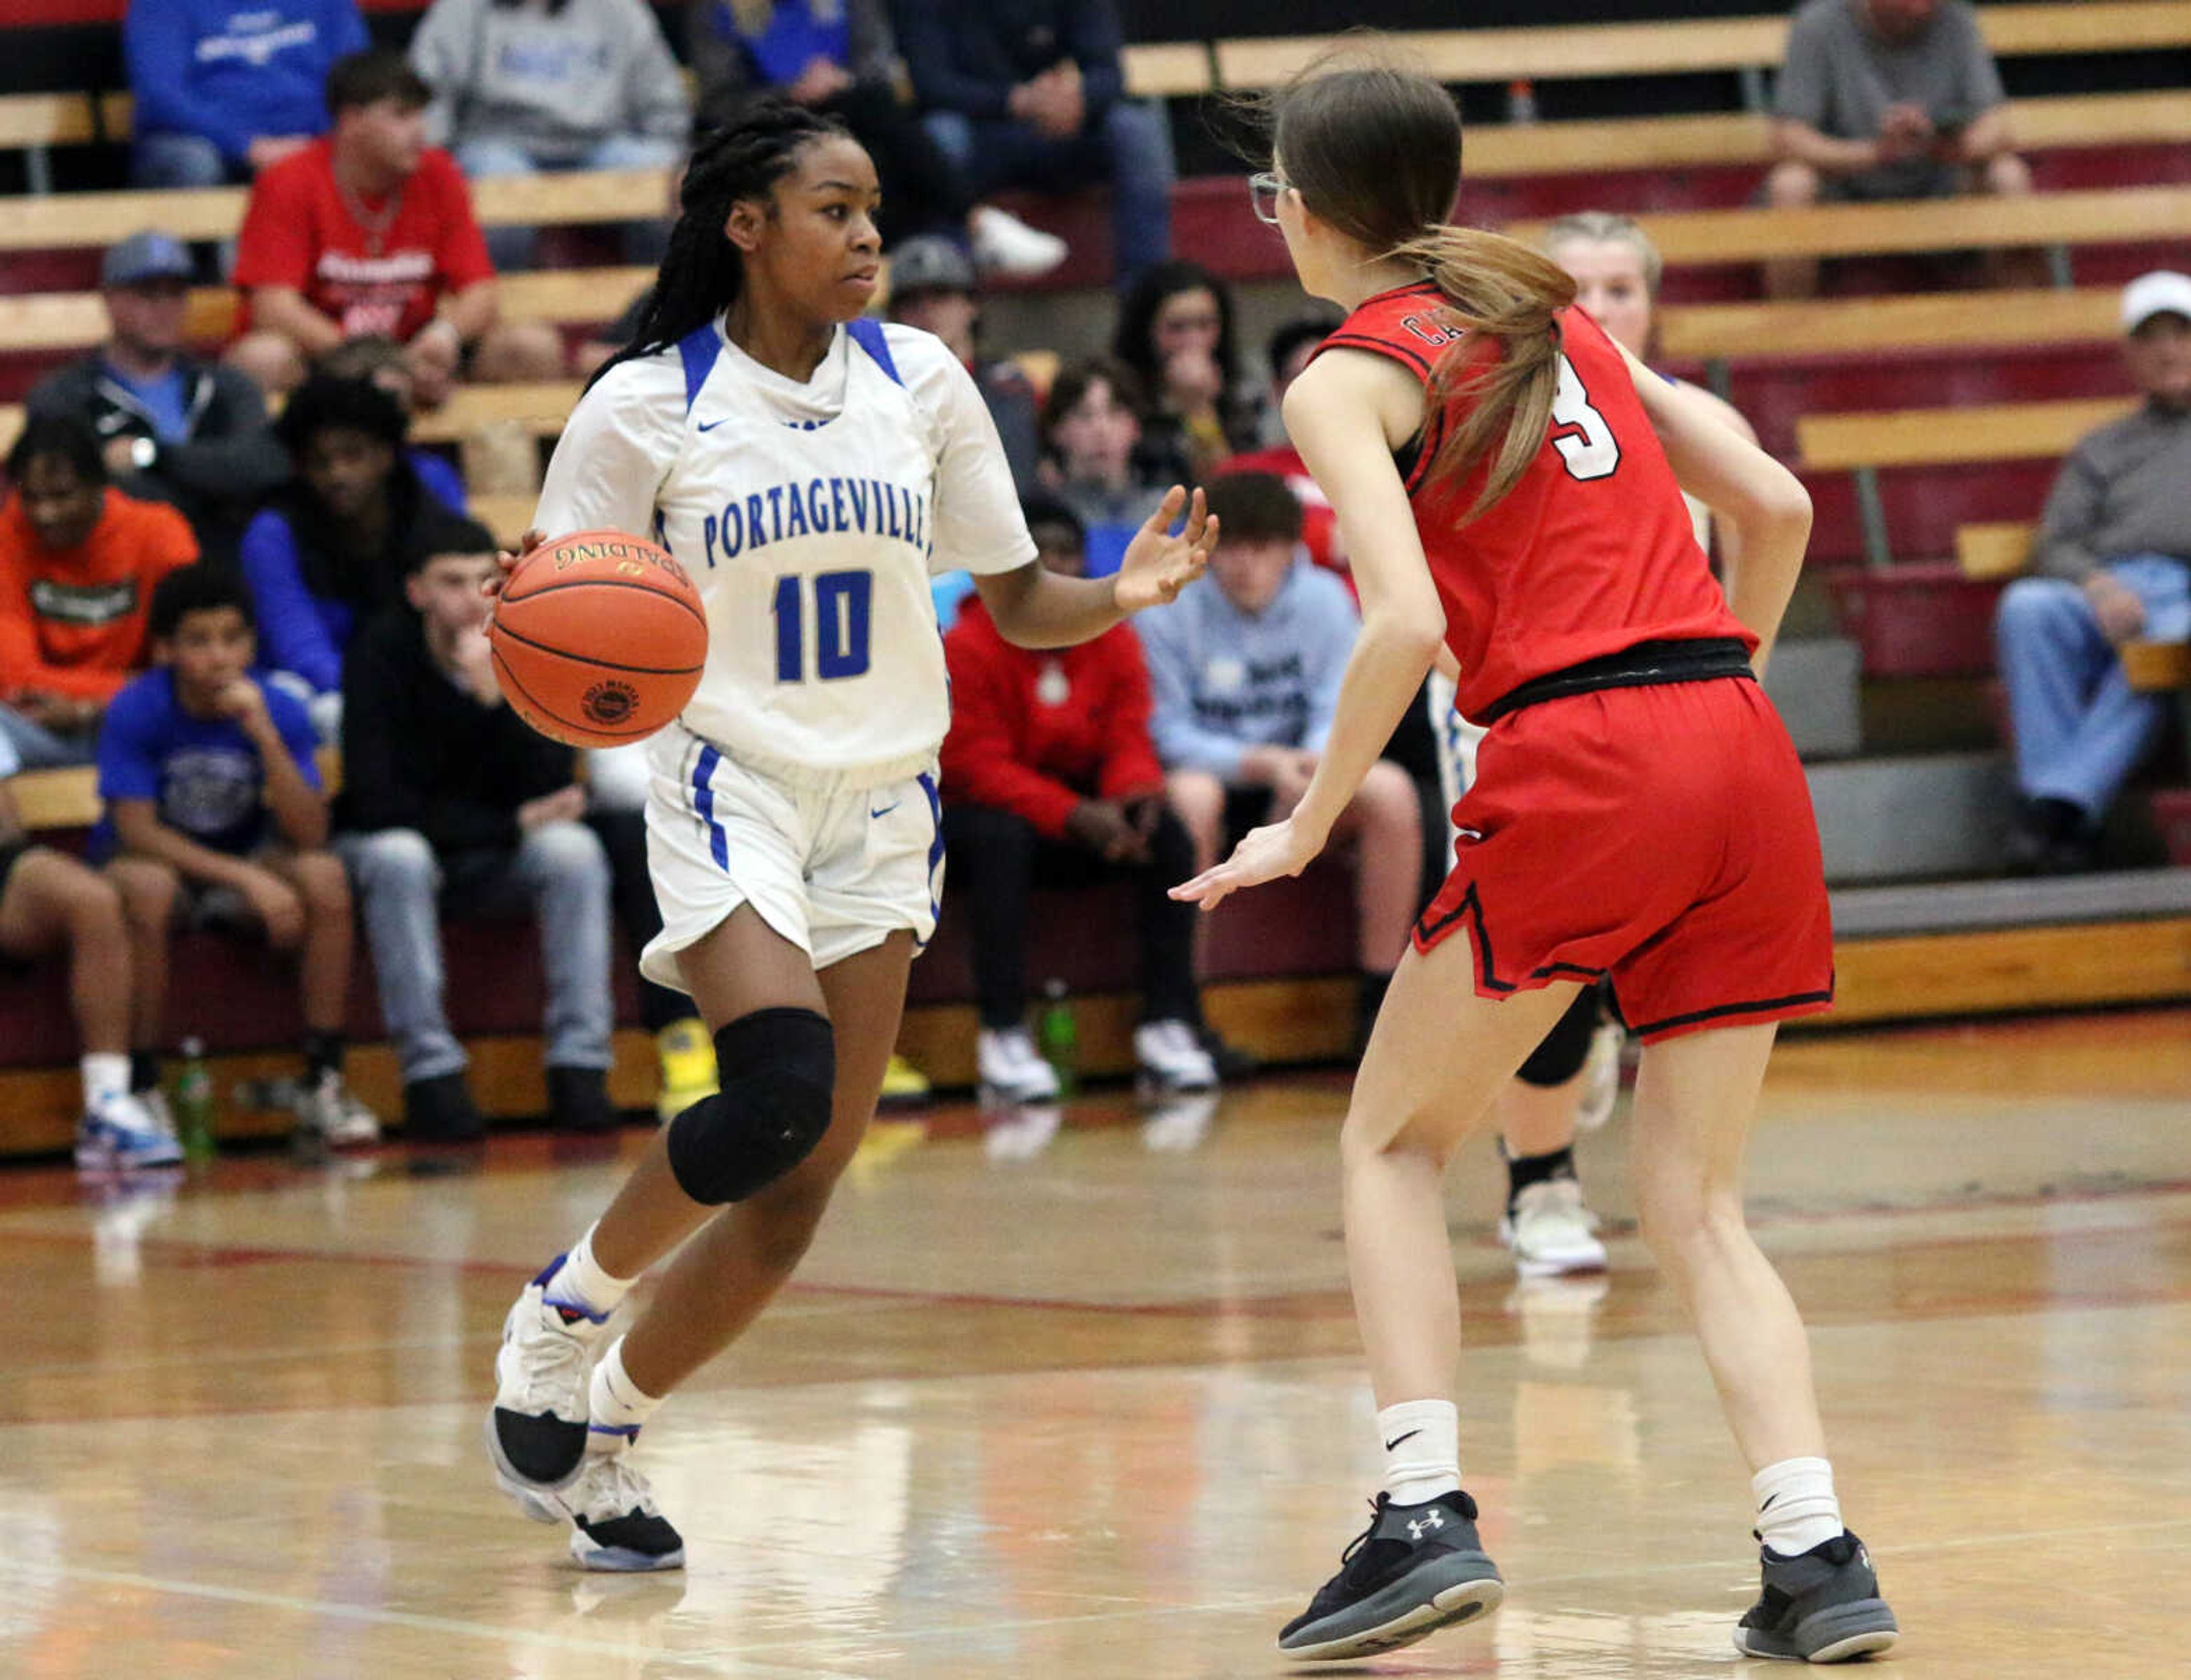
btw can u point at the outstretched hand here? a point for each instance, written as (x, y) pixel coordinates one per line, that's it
(1159, 565)
(1264, 854)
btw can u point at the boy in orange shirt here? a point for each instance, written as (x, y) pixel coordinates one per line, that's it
(78, 563)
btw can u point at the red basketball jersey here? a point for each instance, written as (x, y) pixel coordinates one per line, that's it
(1592, 552)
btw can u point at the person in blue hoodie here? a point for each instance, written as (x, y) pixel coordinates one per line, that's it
(225, 88)
(1245, 671)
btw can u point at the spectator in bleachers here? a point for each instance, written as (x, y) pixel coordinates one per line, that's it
(379, 361)
(450, 800)
(1291, 345)
(524, 86)
(1886, 100)
(1049, 774)
(215, 814)
(1096, 461)
(932, 286)
(837, 56)
(2114, 553)
(171, 428)
(334, 546)
(224, 91)
(1245, 670)
(1031, 93)
(1176, 331)
(370, 231)
(51, 901)
(78, 563)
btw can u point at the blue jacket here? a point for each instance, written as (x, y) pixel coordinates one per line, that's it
(306, 615)
(232, 70)
(1224, 681)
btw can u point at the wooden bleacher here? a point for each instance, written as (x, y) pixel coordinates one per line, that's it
(1589, 51)
(1504, 151)
(77, 321)
(2126, 215)
(1863, 443)
(64, 221)
(1866, 326)
(1994, 551)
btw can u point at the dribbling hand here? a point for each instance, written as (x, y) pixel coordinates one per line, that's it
(505, 563)
(1264, 854)
(1159, 565)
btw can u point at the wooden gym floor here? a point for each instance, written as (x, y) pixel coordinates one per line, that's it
(1093, 1409)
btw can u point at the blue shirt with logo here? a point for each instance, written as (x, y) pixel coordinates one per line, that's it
(202, 775)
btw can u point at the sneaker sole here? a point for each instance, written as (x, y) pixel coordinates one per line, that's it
(1862, 1628)
(531, 1497)
(1559, 1266)
(616, 1560)
(1401, 1615)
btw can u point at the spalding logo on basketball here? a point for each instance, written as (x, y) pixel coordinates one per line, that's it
(599, 639)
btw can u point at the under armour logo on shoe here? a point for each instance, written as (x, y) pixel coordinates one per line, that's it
(1428, 1524)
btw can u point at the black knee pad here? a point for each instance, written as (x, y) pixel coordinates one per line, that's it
(1560, 1057)
(776, 1069)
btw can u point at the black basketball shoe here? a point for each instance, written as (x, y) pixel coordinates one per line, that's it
(1415, 1569)
(1822, 1606)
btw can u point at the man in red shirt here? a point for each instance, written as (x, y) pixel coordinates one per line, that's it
(78, 562)
(368, 230)
(1049, 774)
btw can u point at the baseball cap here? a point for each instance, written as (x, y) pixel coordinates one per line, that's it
(145, 256)
(2163, 291)
(928, 262)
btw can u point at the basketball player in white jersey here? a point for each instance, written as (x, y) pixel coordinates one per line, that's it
(810, 469)
(1573, 1077)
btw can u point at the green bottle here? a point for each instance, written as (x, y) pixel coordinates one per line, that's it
(193, 1102)
(1055, 1035)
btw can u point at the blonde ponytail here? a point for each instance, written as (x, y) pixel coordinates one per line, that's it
(1495, 288)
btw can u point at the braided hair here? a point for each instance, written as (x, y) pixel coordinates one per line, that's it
(701, 271)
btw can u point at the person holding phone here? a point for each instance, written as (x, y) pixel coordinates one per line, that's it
(1883, 100)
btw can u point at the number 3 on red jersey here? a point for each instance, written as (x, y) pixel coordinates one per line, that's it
(1580, 432)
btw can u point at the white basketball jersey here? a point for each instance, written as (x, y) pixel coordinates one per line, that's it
(810, 515)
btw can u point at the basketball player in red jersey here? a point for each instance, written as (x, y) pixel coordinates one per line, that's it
(1509, 481)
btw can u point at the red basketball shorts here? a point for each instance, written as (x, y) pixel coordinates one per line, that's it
(1660, 836)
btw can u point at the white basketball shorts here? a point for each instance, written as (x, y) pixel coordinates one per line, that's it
(834, 869)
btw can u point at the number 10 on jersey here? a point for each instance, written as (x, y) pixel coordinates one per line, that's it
(843, 607)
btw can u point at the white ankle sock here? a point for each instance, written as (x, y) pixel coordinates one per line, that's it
(583, 1284)
(1796, 1509)
(106, 1073)
(616, 1406)
(1422, 1450)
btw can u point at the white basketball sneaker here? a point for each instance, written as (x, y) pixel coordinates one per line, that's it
(1552, 1231)
(1010, 1070)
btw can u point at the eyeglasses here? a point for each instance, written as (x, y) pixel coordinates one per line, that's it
(1264, 191)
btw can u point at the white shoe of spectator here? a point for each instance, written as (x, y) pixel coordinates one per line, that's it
(1010, 1069)
(1600, 1081)
(1169, 1057)
(1004, 244)
(1551, 1232)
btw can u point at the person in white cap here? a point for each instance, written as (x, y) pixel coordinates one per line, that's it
(2113, 564)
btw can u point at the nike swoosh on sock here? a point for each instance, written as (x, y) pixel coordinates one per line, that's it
(1410, 1436)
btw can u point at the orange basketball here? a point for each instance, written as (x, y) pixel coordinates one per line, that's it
(599, 639)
